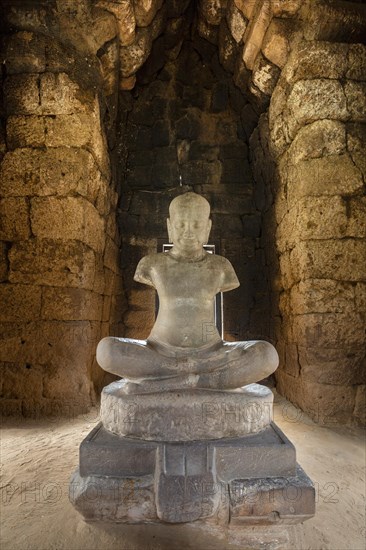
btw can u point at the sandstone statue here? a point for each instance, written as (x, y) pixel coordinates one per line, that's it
(184, 348)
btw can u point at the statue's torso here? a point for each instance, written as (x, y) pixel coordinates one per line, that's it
(186, 291)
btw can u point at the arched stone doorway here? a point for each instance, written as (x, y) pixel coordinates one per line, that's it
(108, 108)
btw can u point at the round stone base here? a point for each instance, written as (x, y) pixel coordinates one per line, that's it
(186, 415)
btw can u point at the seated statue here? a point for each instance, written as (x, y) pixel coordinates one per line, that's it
(184, 348)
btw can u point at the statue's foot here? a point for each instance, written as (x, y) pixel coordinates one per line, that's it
(163, 384)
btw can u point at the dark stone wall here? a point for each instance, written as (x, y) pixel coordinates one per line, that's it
(185, 127)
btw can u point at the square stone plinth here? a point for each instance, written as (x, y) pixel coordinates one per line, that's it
(252, 480)
(267, 454)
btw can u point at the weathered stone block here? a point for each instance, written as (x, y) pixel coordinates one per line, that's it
(255, 32)
(341, 260)
(74, 130)
(356, 143)
(187, 127)
(228, 48)
(111, 255)
(21, 95)
(356, 217)
(164, 175)
(236, 22)
(341, 366)
(125, 16)
(221, 203)
(134, 56)
(134, 494)
(360, 404)
(258, 501)
(106, 308)
(249, 119)
(199, 172)
(109, 63)
(3, 262)
(220, 97)
(236, 171)
(59, 95)
(326, 176)
(143, 299)
(146, 11)
(322, 296)
(276, 42)
(328, 330)
(77, 382)
(319, 139)
(25, 53)
(71, 304)
(20, 302)
(329, 404)
(227, 224)
(67, 218)
(10, 407)
(316, 99)
(252, 225)
(291, 363)
(14, 219)
(207, 31)
(21, 381)
(285, 8)
(105, 28)
(356, 67)
(25, 131)
(236, 150)
(245, 7)
(355, 93)
(161, 133)
(142, 320)
(54, 263)
(265, 75)
(212, 10)
(60, 171)
(53, 343)
(314, 218)
(360, 297)
(315, 59)
(325, 403)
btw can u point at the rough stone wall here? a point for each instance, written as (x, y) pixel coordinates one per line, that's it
(63, 65)
(191, 125)
(59, 242)
(316, 135)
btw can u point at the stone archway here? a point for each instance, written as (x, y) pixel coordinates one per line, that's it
(292, 72)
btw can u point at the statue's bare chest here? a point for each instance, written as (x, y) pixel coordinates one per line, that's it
(174, 280)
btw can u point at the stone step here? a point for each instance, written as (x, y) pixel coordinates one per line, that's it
(266, 454)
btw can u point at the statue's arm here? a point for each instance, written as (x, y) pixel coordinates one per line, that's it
(229, 279)
(143, 272)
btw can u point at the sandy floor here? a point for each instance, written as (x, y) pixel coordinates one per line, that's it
(37, 458)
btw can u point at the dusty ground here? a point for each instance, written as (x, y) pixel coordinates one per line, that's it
(37, 458)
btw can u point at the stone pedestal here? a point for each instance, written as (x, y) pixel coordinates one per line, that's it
(147, 463)
(186, 415)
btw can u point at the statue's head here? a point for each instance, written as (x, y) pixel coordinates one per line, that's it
(189, 224)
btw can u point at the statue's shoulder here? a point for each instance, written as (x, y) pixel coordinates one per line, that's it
(145, 266)
(219, 261)
(151, 259)
(223, 267)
